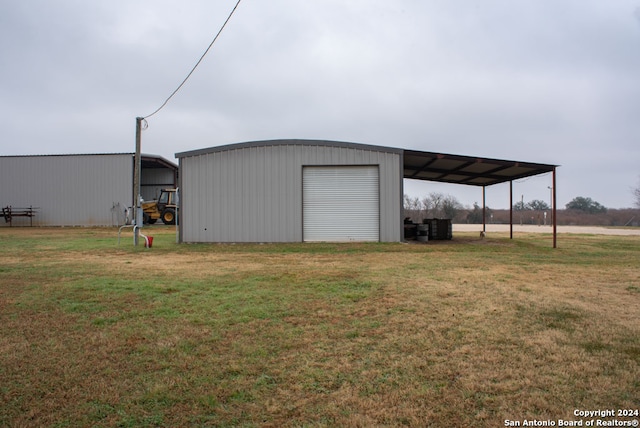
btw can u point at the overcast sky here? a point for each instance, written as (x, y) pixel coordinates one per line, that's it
(548, 81)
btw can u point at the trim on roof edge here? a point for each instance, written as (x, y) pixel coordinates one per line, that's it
(287, 142)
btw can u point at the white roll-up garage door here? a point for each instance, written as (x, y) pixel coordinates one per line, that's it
(341, 203)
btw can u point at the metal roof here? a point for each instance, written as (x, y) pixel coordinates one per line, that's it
(418, 165)
(286, 142)
(470, 170)
(154, 161)
(147, 160)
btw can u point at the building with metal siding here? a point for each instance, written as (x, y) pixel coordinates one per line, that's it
(79, 190)
(253, 192)
(263, 191)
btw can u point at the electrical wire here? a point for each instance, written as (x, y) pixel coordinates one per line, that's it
(195, 66)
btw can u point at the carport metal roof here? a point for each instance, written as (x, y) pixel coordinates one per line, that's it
(469, 170)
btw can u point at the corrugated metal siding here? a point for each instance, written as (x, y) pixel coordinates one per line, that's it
(341, 203)
(254, 194)
(74, 190)
(152, 180)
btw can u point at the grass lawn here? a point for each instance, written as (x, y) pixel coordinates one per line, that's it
(458, 333)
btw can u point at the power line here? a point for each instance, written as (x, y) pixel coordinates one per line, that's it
(195, 66)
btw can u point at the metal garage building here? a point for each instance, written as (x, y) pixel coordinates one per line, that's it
(315, 190)
(291, 191)
(79, 190)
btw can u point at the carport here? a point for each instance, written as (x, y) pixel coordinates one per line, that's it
(475, 171)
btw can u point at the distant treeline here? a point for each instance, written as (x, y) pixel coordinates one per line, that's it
(437, 205)
(612, 217)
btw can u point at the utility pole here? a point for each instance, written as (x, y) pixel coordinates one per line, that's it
(137, 209)
(137, 164)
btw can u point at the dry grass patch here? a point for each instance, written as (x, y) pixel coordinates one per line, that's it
(464, 333)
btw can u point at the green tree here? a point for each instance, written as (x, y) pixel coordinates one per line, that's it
(520, 206)
(535, 205)
(586, 205)
(538, 205)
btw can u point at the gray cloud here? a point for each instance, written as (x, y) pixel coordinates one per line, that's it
(543, 81)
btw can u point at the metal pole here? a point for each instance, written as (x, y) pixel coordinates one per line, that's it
(137, 164)
(484, 210)
(178, 214)
(553, 209)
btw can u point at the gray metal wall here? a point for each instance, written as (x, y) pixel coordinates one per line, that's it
(152, 180)
(70, 190)
(253, 192)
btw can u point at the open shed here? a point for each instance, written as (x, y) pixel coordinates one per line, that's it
(316, 190)
(79, 189)
(476, 171)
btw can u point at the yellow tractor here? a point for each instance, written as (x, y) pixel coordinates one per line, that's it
(165, 208)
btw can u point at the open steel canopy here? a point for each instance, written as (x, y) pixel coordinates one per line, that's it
(475, 171)
(468, 170)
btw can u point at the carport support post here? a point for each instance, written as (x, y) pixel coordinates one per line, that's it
(136, 182)
(484, 210)
(553, 208)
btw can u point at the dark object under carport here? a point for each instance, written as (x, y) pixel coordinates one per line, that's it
(439, 228)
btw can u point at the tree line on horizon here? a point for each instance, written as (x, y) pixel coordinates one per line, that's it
(579, 211)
